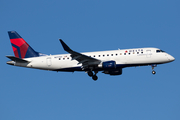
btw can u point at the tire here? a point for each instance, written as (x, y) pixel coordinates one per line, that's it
(153, 72)
(90, 73)
(94, 77)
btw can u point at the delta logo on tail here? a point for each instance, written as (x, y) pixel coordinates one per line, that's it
(20, 47)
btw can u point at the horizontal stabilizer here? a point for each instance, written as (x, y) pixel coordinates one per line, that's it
(17, 59)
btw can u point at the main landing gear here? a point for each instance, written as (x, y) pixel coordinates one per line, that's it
(153, 72)
(94, 76)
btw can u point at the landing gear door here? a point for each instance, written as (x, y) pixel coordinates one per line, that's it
(48, 61)
(148, 53)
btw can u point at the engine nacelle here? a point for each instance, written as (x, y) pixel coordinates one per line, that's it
(108, 65)
(114, 72)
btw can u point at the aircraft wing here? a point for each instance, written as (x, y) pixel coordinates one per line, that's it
(81, 58)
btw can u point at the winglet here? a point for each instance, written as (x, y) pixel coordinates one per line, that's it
(66, 48)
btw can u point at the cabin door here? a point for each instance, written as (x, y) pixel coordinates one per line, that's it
(48, 61)
(148, 53)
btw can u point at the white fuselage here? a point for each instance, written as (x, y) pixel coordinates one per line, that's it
(123, 58)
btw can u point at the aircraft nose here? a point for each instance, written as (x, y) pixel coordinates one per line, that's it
(171, 58)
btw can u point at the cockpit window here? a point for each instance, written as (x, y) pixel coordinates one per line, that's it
(159, 51)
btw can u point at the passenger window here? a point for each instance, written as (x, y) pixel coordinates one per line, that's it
(99, 55)
(129, 53)
(107, 54)
(116, 54)
(142, 52)
(124, 53)
(111, 54)
(120, 53)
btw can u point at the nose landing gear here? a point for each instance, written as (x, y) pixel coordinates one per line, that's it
(153, 72)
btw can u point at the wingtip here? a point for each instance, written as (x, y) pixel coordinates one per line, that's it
(13, 35)
(66, 48)
(60, 40)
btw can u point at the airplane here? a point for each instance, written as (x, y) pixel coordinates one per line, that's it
(108, 62)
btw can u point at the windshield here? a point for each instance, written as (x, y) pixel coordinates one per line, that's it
(159, 51)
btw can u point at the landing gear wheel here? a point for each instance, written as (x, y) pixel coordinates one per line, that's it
(153, 72)
(94, 77)
(90, 73)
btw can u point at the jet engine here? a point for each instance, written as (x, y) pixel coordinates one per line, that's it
(108, 65)
(113, 72)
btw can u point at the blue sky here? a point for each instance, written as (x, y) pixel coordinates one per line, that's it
(91, 25)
